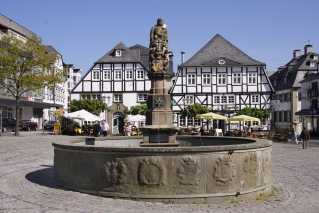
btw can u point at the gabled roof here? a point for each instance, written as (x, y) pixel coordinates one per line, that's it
(219, 48)
(293, 75)
(142, 53)
(8, 23)
(128, 56)
(50, 50)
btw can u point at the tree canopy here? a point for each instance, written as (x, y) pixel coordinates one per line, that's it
(94, 106)
(24, 67)
(137, 110)
(193, 110)
(254, 112)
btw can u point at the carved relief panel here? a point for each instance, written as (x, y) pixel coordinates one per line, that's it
(117, 175)
(152, 172)
(250, 170)
(224, 171)
(266, 166)
(188, 172)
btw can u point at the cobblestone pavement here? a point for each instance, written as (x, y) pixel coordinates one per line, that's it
(26, 182)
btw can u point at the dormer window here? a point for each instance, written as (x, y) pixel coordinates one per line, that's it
(312, 64)
(118, 53)
(315, 57)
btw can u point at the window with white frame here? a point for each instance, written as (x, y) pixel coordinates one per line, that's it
(129, 74)
(117, 97)
(254, 99)
(142, 97)
(96, 97)
(252, 78)
(182, 121)
(118, 75)
(196, 122)
(236, 78)
(86, 96)
(189, 100)
(216, 100)
(191, 79)
(231, 99)
(206, 79)
(224, 99)
(140, 74)
(315, 57)
(107, 74)
(312, 64)
(96, 75)
(118, 53)
(221, 79)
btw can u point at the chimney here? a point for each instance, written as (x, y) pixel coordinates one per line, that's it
(170, 55)
(183, 52)
(308, 49)
(296, 53)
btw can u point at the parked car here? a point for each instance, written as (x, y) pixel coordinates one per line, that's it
(8, 122)
(28, 125)
(49, 124)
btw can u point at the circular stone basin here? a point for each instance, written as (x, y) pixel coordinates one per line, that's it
(202, 169)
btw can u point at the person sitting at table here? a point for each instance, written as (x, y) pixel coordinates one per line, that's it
(201, 130)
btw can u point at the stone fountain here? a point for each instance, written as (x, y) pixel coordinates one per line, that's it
(159, 129)
(160, 166)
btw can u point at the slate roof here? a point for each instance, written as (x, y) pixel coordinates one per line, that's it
(219, 48)
(142, 53)
(8, 23)
(50, 50)
(270, 73)
(136, 53)
(109, 57)
(299, 67)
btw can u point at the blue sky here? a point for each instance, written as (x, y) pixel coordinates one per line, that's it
(83, 31)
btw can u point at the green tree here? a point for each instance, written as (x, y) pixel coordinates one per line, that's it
(93, 106)
(137, 110)
(254, 112)
(193, 110)
(24, 67)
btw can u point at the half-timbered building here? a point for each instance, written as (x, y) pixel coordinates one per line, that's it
(119, 78)
(223, 78)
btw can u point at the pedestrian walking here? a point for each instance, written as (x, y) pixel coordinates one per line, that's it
(127, 129)
(104, 128)
(305, 136)
(96, 129)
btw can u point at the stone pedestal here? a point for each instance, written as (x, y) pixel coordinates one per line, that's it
(159, 129)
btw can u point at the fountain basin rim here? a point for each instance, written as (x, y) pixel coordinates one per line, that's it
(254, 143)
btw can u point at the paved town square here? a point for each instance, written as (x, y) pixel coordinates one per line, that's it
(27, 185)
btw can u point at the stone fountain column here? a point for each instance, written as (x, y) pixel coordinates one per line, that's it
(159, 129)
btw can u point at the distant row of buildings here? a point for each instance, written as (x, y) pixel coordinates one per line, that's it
(219, 76)
(34, 105)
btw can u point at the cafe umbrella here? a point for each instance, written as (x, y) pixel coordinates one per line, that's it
(211, 116)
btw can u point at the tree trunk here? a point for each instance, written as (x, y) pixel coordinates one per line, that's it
(16, 133)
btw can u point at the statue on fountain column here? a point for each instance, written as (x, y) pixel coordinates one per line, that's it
(159, 47)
